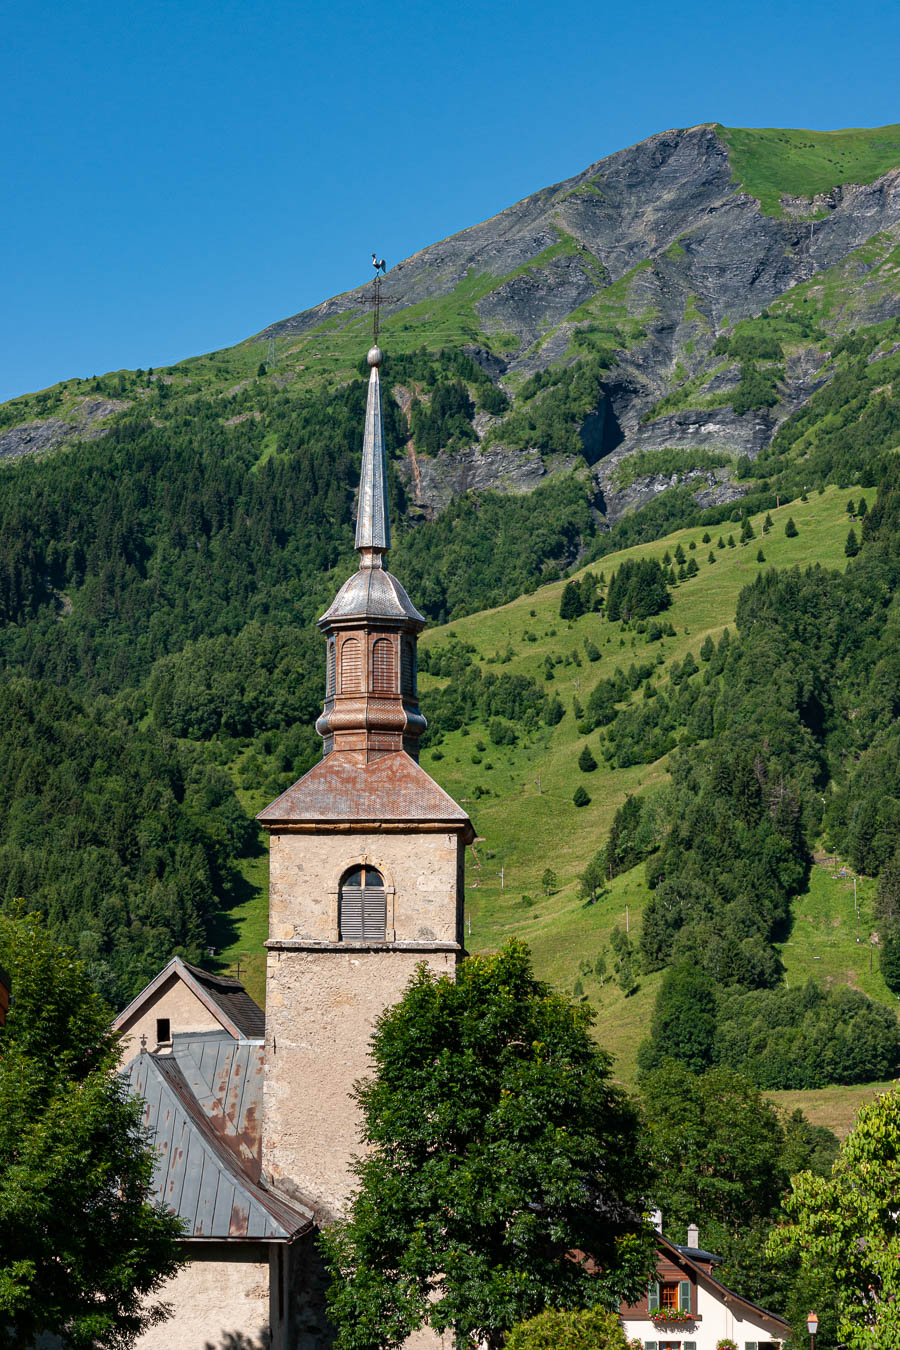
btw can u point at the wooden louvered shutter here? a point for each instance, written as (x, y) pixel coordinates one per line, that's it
(329, 678)
(351, 666)
(407, 667)
(383, 666)
(351, 915)
(653, 1296)
(374, 914)
(684, 1296)
(686, 1345)
(649, 1345)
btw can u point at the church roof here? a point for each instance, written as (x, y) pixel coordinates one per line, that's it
(224, 997)
(203, 1108)
(372, 593)
(393, 788)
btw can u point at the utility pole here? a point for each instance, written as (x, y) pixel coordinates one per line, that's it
(627, 928)
(502, 871)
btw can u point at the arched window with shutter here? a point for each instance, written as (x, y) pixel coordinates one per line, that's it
(383, 681)
(362, 906)
(351, 666)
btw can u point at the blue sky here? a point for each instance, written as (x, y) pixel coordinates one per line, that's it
(176, 176)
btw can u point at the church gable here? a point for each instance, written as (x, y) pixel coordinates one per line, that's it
(185, 999)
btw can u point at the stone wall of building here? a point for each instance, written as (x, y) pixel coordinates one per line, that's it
(175, 1001)
(421, 873)
(321, 1008)
(221, 1295)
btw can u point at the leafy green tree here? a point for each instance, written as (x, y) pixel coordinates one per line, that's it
(497, 1144)
(790, 528)
(851, 548)
(683, 1026)
(554, 1329)
(580, 797)
(592, 881)
(82, 1245)
(549, 881)
(586, 761)
(844, 1229)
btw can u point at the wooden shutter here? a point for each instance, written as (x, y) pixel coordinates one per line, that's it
(687, 1345)
(383, 681)
(374, 914)
(329, 678)
(350, 919)
(407, 667)
(351, 666)
(684, 1296)
(649, 1345)
(653, 1296)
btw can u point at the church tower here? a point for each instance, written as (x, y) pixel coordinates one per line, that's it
(366, 865)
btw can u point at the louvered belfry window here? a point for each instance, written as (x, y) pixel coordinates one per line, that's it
(362, 906)
(408, 667)
(383, 666)
(351, 666)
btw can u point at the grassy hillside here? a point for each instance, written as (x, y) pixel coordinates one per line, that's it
(520, 797)
(769, 161)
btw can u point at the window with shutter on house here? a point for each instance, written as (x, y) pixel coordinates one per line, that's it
(362, 906)
(684, 1295)
(351, 666)
(649, 1345)
(383, 681)
(689, 1345)
(653, 1296)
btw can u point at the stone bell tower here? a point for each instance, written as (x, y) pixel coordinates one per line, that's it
(366, 864)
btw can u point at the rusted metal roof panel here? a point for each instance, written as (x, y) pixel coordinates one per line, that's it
(226, 1078)
(393, 788)
(197, 1172)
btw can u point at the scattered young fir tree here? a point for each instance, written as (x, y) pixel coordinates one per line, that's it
(851, 547)
(862, 508)
(790, 528)
(760, 556)
(731, 543)
(580, 796)
(586, 761)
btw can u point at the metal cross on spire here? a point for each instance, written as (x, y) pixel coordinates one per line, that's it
(374, 297)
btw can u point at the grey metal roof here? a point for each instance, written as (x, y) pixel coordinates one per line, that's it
(196, 1173)
(373, 524)
(372, 593)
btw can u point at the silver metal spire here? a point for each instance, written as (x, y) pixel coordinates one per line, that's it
(373, 525)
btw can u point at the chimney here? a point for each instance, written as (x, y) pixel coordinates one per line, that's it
(693, 1235)
(656, 1219)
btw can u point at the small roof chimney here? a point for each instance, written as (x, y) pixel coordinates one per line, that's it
(693, 1235)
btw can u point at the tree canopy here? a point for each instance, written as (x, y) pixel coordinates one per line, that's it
(82, 1246)
(499, 1148)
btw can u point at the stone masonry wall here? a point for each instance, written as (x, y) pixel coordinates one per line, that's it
(420, 873)
(321, 1008)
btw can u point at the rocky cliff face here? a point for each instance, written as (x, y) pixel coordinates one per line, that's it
(660, 235)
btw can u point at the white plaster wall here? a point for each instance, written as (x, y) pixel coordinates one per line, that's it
(213, 1299)
(715, 1320)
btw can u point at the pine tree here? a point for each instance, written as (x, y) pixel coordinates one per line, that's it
(790, 528)
(731, 543)
(580, 797)
(851, 548)
(760, 556)
(712, 557)
(721, 543)
(586, 761)
(767, 524)
(851, 507)
(863, 508)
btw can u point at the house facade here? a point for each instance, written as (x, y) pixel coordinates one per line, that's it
(687, 1308)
